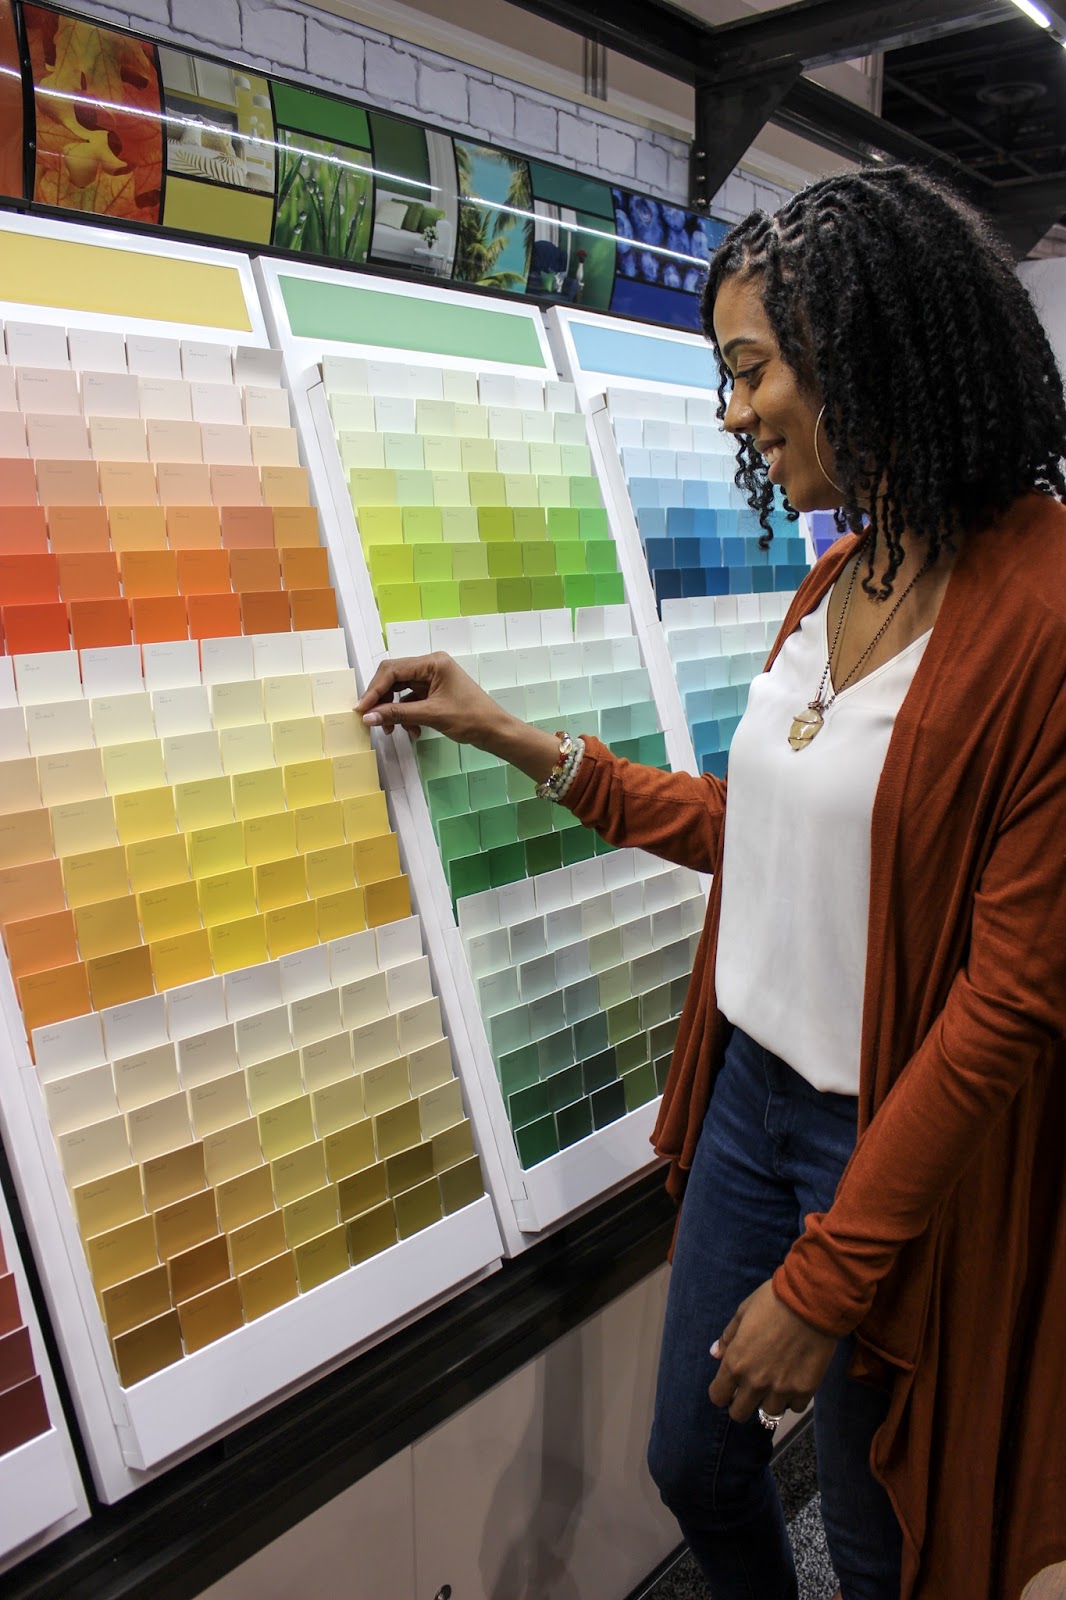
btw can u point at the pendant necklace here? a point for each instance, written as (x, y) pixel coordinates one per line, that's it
(807, 725)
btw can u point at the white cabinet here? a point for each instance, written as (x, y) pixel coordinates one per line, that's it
(359, 1546)
(536, 1491)
(539, 1489)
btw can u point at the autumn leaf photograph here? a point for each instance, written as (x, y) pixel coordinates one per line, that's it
(99, 133)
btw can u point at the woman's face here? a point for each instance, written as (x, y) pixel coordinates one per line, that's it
(767, 401)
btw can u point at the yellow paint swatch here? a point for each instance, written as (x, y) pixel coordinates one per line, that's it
(155, 863)
(321, 1258)
(270, 838)
(291, 928)
(169, 911)
(183, 959)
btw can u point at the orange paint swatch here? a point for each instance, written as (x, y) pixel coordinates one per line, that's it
(18, 482)
(23, 530)
(138, 528)
(88, 575)
(25, 836)
(31, 890)
(304, 568)
(149, 572)
(254, 569)
(95, 624)
(193, 528)
(247, 528)
(32, 629)
(313, 608)
(29, 579)
(38, 943)
(213, 616)
(295, 525)
(159, 618)
(203, 571)
(266, 612)
(54, 996)
(78, 528)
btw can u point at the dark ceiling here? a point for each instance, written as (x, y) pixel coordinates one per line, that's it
(973, 89)
(994, 100)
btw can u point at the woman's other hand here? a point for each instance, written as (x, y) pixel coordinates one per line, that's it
(429, 692)
(769, 1358)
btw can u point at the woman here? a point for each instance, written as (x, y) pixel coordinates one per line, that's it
(867, 1097)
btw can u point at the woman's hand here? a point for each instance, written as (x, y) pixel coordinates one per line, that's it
(430, 692)
(770, 1359)
(433, 692)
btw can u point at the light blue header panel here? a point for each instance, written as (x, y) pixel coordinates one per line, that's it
(643, 355)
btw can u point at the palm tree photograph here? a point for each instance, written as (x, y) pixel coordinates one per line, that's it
(496, 221)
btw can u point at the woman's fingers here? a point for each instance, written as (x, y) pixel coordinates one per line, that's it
(415, 674)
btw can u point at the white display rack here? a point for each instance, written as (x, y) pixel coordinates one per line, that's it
(533, 1200)
(131, 1434)
(41, 1493)
(634, 367)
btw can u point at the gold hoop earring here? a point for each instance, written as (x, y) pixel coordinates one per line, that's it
(818, 455)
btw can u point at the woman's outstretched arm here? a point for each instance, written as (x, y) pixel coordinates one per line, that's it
(671, 814)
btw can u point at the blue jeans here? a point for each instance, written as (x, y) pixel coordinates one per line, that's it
(772, 1149)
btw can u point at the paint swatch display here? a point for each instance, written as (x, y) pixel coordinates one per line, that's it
(152, 491)
(201, 897)
(484, 534)
(581, 976)
(23, 1407)
(720, 596)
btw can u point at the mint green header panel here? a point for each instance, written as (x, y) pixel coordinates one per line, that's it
(403, 322)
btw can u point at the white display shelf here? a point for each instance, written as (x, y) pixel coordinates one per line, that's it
(530, 1201)
(41, 1492)
(132, 1434)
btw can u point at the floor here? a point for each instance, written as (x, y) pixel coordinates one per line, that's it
(795, 1480)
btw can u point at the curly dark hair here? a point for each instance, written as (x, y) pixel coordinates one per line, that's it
(895, 302)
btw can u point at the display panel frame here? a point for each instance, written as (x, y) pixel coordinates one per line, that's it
(132, 1433)
(41, 1492)
(539, 1198)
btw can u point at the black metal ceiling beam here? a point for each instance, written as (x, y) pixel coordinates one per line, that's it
(817, 32)
(821, 32)
(818, 114)
(814, 113)
(749, 72)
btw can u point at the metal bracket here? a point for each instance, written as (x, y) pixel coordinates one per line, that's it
(729, 117)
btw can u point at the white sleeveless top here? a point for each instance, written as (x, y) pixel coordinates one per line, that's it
(791, 961)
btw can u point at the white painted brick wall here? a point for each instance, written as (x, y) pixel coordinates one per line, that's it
(309, 46)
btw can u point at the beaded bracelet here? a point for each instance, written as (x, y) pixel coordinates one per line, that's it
(562, 774)
(570, 770)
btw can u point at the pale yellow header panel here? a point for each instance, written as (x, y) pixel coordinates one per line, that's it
(114, 282)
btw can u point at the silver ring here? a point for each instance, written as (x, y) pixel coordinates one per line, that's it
(768, 1420)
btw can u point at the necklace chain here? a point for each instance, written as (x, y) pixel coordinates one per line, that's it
(818, 703)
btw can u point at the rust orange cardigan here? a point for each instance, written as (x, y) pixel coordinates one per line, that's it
(945, 1247)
